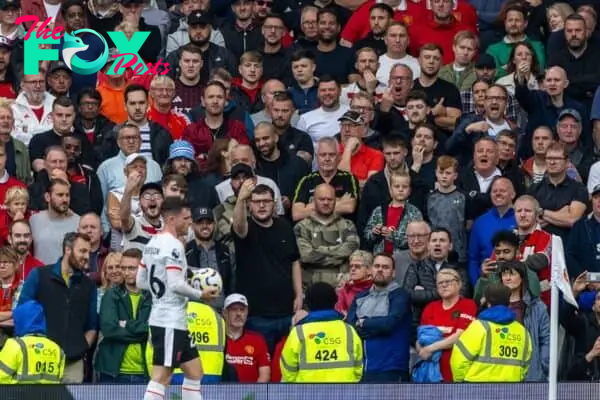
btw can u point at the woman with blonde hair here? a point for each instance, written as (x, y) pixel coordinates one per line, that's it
(110, 274)
(451, 314)
(556, 15)
(359, 279)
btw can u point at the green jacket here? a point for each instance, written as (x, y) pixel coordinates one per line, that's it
(482, 283)
(22, 162)
(463, 81)
(501, 53)
(398, 237)
(116, 307)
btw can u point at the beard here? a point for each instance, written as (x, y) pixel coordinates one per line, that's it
(73, 263)
(200, 42)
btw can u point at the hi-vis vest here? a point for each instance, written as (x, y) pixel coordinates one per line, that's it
(207, 335)
(322, 352)
(31, 359)
(490, 352)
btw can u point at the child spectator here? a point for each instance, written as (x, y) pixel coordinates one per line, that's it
(15, 208)
(386, 228)
(446, 205)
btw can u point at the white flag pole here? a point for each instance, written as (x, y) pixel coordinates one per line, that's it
(553, 373)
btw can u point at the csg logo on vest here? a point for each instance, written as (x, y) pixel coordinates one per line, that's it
(39, 349)
(195, 319)
(505, 334)
(322, 338)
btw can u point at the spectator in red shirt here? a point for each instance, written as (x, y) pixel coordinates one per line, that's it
(462, 10)
(451, 314)
(9, 285)
(360, 280)
(20, 239)
(15, 208)
(439, 28)
(214, 124)
(6, 181)
(405, 11)
(7, 76)
(162, 93)
(246, 351)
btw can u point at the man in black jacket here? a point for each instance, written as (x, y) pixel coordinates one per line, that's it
(241, 34)
(205, 252)
(95, 126)
(82, 173)
(376, 191)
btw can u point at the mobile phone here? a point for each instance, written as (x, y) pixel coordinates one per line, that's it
(592, 277)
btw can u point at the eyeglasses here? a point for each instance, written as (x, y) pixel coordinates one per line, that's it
(154, 196)
(309, 23)
(446, 283)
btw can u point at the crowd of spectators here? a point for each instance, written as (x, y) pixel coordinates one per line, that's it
(409, 153)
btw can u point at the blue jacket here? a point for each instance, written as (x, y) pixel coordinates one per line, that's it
(29, 319)
(580, 249)
(304, 99)
(502, 315)
(480, 241)
(321, 316)
(428, 371)
(537, 322)
(386, 327)
(487, 12)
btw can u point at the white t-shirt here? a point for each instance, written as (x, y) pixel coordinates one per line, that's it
(386, 63)
(140, 234)
(496, 129)
(52, 10)
(164, 251)
(319, 123)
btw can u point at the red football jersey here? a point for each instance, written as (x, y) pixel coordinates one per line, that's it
(449, 321)
(247, 354)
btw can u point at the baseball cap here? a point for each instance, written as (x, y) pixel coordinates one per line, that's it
(6, 42)
(198, 18)
(4, 4)
(485, 61)
(58, 66)
(151, 186)
(235, 298)
(181, 149)
(201, 213)
(242, 168)
(570, 112)
(352, 116)
(596, 190)
(132, 157)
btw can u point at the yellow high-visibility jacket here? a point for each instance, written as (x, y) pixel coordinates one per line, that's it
(31, 360)
(207, 334)
(315, 352)
(491, 352)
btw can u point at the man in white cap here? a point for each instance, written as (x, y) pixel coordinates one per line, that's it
(246, 351)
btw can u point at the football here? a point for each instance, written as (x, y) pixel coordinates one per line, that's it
(207, 278)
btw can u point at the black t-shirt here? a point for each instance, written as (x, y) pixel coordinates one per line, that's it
(343, 182)
(295, 140)
(263, 275)
(439, 89)
(337, 63)
(553, 198)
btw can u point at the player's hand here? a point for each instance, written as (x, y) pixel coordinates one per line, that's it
(246, 190)
(210, 293)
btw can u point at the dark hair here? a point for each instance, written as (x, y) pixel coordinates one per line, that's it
(62, 101)
(513, 265)
(262, 189)
(328, 79)
(427, 126)
(214, 160)
(486, 81)
(214, 83)
(509, 133)
(575, 17)
(283, 96)
(514, 7)
(134, 87)
(383, 7)
(302, 53)
(431, 47)
(535, 64)
(274, 15)
(66, 4)
(327, 10)
(496, 294)
(393, 141)
(191, 48)
(71, 237)
(386, 255)
(320, 296)
(90, 92)
(505, 236)
(173, 206)
(18, 221)
(501, 88)
(417, 95)
(132, 253)
(55, 182)
(440, 229)
(174, 177)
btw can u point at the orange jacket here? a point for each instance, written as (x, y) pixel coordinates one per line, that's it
(113, 103)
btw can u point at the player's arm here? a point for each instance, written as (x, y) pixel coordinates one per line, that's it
(178, 285)
(141, 279)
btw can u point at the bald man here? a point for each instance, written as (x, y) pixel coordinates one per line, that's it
(544, 106)
(325, 240)
(268, 91)
(243, 155)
